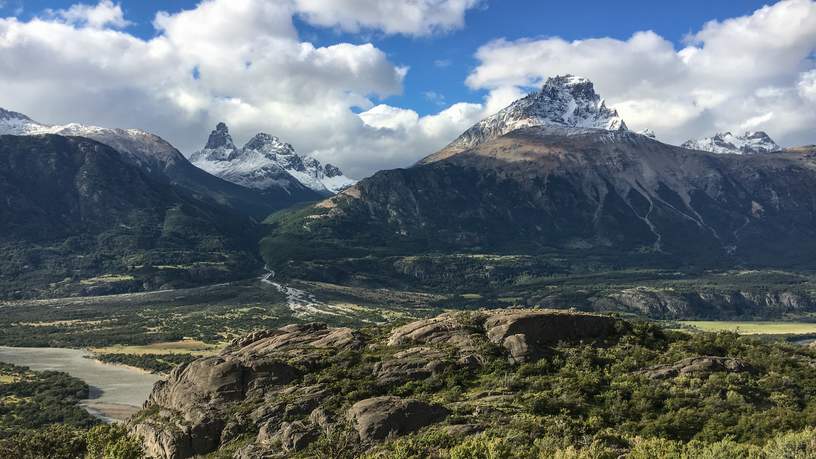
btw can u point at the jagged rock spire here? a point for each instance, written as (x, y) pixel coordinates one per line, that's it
(220, 138)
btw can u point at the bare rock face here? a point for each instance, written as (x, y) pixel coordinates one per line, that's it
(161, 442)
(295, 341)
(415, 363)
(294, 436)
(192, 403)
(526, 334)
(443, 329)
(696, 366)
(379, 417)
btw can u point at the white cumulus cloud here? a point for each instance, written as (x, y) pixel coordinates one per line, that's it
(106, 13)
(407, 17)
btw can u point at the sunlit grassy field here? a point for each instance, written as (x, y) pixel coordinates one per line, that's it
(186, 346)
(754, 328)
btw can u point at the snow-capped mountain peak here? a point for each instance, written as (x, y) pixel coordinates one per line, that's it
(566, 100)
(139, 147)
(269, 144)
(725, 142)
(266, 161)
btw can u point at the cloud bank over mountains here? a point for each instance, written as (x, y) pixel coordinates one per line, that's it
(243, 61)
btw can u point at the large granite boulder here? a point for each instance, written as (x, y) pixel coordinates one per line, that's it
(380, 417)
(412, 364)
(527, 334)
(445, 329)
(162, 441)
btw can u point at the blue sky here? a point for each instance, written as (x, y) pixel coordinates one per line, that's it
(372, 84)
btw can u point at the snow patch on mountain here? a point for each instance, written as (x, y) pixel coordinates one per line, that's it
(648, 133)
(565, 100)
(139, 147)
(266, 161)
(747, 144)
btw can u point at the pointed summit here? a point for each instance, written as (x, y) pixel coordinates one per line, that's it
(749, 143)
(566, 100)
(269, 144)
(220, 138)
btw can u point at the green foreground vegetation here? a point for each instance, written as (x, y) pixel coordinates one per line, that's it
(608, 397)
(31, 399)
(40, 418)
(581, 400)
(595, 401)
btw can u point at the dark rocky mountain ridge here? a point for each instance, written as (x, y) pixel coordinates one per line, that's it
(74, 209)
(573, 192)
(165, 163)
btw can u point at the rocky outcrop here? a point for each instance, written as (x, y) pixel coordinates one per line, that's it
(191, 405)
(270, 384)
(162, 440)
(380, 417)
(443, 329)
(415, 363)
(672, 304)
(527, 334)
(696, 366)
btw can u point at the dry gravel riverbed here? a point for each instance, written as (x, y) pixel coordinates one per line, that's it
(117, 391)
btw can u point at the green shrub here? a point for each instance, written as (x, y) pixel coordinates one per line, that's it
(52, 442)
(111, 441)
(482, 446)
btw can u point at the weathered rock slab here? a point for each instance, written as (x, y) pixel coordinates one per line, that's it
(380, 417)
(527, 334)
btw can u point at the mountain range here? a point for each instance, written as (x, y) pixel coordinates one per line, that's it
(558, 175)
(164, 162)
(265, 162)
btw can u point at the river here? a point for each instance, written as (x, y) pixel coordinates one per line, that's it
(116, 391)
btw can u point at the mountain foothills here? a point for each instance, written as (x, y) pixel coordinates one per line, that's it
(556, 177)
(265, 162)
(77, 217)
